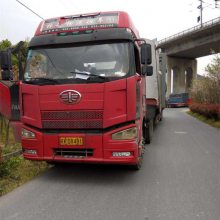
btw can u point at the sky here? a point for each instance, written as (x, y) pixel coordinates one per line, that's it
(153, 18)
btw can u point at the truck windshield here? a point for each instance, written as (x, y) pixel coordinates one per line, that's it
(93, 63)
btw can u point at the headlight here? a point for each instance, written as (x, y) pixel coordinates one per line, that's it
(27, 134)
(127, 134)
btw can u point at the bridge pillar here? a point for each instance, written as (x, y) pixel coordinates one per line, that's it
(180, 73)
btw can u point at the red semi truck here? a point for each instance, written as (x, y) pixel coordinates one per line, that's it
(82, 94)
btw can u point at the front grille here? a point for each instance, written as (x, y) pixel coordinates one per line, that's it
(73, 153)
(72, 124)
(72, 119)
(71, 115)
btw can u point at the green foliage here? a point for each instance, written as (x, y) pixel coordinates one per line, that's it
(24, 50)
(4, 44)
(17, 171)
(213, 69)
(205, 93)
(211, 121)
(8, 165)
(207, 90)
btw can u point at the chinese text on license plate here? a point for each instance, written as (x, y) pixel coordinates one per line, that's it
(71, 141)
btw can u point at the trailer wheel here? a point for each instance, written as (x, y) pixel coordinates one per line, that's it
(149, 132)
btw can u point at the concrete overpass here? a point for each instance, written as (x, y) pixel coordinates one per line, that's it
(183, 48)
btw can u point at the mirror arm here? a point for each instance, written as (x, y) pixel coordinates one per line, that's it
(20, 67)
(17, 50)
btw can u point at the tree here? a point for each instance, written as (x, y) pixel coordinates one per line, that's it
(213, 70)
(5, 44)
(205, 92)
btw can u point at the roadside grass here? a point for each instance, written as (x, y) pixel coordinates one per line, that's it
(210, 121)
(11, 139)
(10, 148)
(16, 171)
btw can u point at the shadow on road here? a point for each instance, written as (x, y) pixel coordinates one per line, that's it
(89, 173)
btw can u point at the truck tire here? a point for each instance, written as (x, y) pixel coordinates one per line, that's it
(149, 132)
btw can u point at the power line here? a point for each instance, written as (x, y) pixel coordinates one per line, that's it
(30, 9)
(211, 6)
(202, 6)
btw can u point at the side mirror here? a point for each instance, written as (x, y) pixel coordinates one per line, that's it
(6, 64)
(5, 60)
(6, 75)
(146, 55)
(147, 70)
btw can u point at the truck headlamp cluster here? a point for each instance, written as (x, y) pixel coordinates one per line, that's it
(127, 134)
(27, 134)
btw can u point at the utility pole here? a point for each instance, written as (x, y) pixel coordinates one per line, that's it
(200, 7)
(216, 4)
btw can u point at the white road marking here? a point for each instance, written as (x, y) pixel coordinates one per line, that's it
(180, 132)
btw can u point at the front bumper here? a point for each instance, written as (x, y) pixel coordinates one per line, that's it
(99, 145)
(178, 104)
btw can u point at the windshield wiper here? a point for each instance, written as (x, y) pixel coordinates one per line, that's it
(90, 75)
(41, 81)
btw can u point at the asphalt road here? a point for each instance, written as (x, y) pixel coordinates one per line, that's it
(180, 180)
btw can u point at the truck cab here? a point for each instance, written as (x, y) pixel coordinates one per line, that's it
(82, 93)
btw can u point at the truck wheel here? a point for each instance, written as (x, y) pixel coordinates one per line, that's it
(149, 132)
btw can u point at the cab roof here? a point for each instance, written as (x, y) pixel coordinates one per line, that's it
(91, 21)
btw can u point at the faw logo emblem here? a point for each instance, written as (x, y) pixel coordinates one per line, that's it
(70, 97)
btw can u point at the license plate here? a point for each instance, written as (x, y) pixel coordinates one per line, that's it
(71, 141)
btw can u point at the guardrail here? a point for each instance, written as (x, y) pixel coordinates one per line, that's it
(190, 30)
